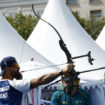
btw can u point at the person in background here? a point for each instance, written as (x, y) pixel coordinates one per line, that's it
(12, 86)
(70, 93)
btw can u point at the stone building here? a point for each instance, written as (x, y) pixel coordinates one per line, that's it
(84, 8)
(88, 8)
(11, 7)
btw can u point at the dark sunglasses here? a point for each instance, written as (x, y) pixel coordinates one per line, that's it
(15, 65)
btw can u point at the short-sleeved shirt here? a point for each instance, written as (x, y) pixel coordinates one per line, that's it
(81, 97)
(11, 92)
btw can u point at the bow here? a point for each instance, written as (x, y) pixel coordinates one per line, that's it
(67, 53)
(63, 45)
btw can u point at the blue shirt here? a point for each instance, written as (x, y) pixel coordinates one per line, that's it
(11, 92)
(81, 97)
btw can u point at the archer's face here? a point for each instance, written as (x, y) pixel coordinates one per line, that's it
(14, 70)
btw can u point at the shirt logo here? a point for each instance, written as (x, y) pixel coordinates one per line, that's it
(5, 88)
(3, 92)
(64, 102)
(78, 102)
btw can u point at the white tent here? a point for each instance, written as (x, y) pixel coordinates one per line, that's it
(45, 40)
(101, 39)
(35, 68)
(11, 44)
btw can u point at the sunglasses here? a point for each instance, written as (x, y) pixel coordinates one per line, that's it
(15, 65)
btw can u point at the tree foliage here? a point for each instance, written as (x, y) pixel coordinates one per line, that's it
(25, 24)
(92, 26)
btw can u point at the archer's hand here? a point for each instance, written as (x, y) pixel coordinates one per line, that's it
(68, 68)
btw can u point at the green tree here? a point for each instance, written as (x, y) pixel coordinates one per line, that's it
(92, 27)
(24, 25)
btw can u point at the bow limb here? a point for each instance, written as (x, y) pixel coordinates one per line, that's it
(61, 42)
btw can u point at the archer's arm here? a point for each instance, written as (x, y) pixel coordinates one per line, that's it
(44, 79)
(49, 77)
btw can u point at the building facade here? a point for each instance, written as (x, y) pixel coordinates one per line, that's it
(11, 7)
(88, 8)
(84, 8)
